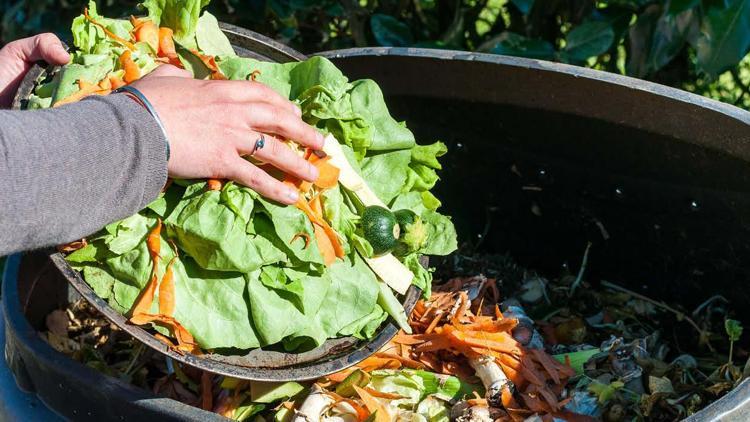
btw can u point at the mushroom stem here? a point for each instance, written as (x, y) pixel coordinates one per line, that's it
(314, 406)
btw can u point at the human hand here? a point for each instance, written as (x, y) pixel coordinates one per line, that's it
(17, 57)
(210, 125)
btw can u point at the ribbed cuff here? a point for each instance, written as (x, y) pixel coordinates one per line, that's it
(147, 132)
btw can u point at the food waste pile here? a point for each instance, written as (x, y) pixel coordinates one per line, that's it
(494, 341)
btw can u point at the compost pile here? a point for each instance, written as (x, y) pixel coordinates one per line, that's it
(211, 265)
(494, 341)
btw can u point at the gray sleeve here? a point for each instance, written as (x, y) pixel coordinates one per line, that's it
(67, 172)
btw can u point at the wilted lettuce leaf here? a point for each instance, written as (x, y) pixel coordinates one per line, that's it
(387, 134)
(210, 39)
(441, 234)
(385, 172)
(89, 38)
(180, 15)
(215, 235)
(245, 277)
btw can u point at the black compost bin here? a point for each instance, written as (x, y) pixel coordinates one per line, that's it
(545, 158)
(657, 179)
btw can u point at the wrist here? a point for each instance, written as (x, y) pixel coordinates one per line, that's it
(141, 99)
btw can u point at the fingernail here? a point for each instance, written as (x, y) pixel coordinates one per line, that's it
(320, 138)
(297, 110)
(292, 195)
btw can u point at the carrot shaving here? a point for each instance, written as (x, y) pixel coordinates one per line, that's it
(132, 71)
(147, 31)
(382, 395)
(85, 89)
(166, 291)
(327, 238)
(214, 184)
(409, 363)
(328, 173)
(254, 75)
(406, 339)
(129, 45)
(302, 235)
(434, 323)
(167, 49)
(373, 405)
(165, 340)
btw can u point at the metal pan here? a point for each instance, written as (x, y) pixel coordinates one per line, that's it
(259, 365)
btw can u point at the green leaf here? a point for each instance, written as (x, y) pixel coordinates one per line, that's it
(388, 301)
(207, 228)
(68, 77)
(577, 359)
(733, 328)
(512, 44)
(605, 392)
(390, 32)
(670, 36)
(589, 39)
(656, 38)
(640, 36)
(386, 134)
(210, 39)
(386, 173)
(441, 234)
(212, 306)
(129, 233)
(725, 37)
(191, 62)
(269, 392)
(180, 15)
(247, 410)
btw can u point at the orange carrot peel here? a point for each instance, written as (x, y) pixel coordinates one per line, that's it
(132, 71)
(129, 45)
(140, 313)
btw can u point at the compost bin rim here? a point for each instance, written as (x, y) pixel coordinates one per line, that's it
(72, 369)
(547, 66)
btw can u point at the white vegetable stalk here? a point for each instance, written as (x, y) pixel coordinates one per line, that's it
(493, 378)
(314, 406)
(395, 274)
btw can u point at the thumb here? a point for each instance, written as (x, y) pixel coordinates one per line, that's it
(16, 59)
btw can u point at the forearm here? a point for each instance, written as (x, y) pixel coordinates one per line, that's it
(69, 171)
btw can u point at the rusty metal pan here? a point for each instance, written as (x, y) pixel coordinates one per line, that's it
(258, 364)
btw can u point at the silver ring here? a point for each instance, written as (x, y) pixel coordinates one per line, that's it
(259, 144)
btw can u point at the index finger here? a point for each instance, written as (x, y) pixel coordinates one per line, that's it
(287, 125)
(254, 92)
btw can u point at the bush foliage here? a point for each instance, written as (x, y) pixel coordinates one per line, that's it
(698, 45)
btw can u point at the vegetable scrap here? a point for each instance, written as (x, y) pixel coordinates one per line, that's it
(235, 257)
(474, 354)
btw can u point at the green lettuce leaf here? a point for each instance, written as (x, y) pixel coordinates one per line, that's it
(386, 173)
(441, 234)
(215, 235)
(180, 15)
(210, 39)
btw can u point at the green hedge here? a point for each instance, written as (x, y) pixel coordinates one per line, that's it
(696, 45)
